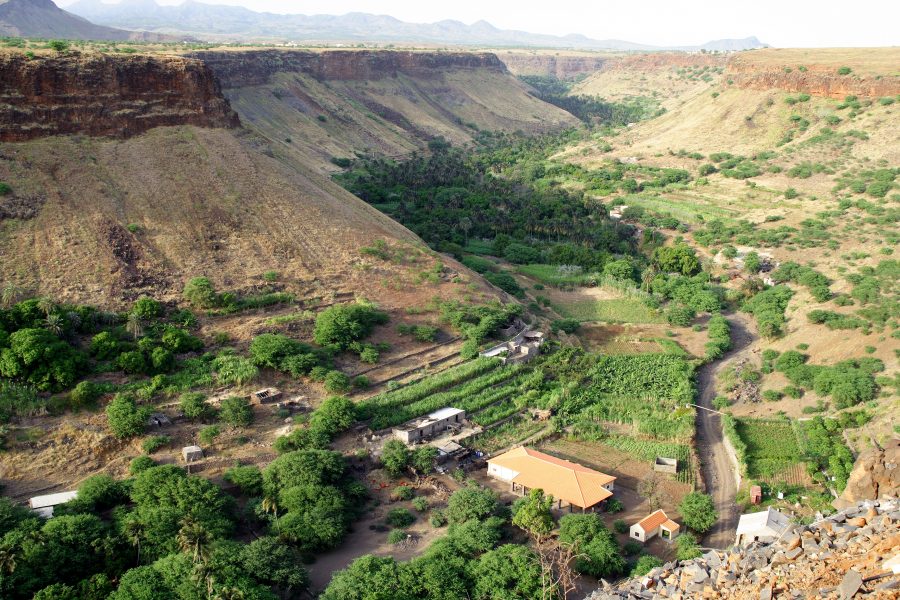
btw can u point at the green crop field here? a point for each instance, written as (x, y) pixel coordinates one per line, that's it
(771, 446)
(622, 310)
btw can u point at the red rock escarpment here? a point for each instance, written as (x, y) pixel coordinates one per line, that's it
(100, 95)
(815, 80)
(256, 67)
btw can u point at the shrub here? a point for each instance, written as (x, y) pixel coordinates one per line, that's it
(396, 536)
(395, 457)
(231, 369)
(400, 517)
(614, 505)
(124, 418)
(644, 565)
(438, 519)
(420, 504)
(154, 443)
(194, 406)
(209, 433)
(85, 393)
(620, 526)
(632, 547)
(270, 276)
(58, 45)
(140, 464)
(402, 492)
(686, 547)
(369, 355)
(236, 411)
(343, 324)
(771, 395)
(5, 189)
(337, 382)
(200, 292)
(680, 316)
(566, 325)
(844, 71)
(361, 382)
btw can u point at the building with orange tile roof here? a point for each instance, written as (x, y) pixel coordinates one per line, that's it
(656, 523)
(571, 484)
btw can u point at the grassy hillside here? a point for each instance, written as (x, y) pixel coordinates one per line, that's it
(322, 120)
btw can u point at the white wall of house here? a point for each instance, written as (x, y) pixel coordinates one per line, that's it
(638, 533)
(495, 470)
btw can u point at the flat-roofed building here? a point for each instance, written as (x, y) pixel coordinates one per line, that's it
(426, 427)
(43, 505)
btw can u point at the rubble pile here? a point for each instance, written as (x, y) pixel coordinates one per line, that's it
(840, 556)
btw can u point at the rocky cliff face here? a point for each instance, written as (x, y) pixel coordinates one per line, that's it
(551, 65)
(876, 474)
(246, 68)
(817, 80)
(106, 96)
(839, 556)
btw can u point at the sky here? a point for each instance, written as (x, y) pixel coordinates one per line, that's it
(781, 23)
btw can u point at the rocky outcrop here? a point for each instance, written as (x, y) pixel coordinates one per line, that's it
(840, 556)
(99, 95)
(876, 474)
(816, 80)
(256, 67)
(560, 66)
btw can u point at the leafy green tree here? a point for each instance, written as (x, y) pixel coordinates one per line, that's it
(57, 591)
(422, 459)
(698, 511)
(598, 551)
(200, 292)
(343, 324)
(146, 308)
(143, 583)
(470, 503)
(369, 578)
(236, 411)
(194, 406)
(621, 269)
(534, 513)
(337, 382)
(679, 258)
(248, 478)
(141, 463)
(752, 262)
(395, 457)
(645, 564)
(686, 547)
(509, 572)
(40, 358)
(322, 467)
(124, 418)
(275, 564)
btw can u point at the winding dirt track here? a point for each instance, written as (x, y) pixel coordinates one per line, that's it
(717, 468)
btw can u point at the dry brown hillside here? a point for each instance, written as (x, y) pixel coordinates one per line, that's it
(105, 220)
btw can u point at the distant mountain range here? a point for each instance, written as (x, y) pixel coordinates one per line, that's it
(43, 19)
(218, 22)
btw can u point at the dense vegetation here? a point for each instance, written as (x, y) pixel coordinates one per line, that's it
(591, 110)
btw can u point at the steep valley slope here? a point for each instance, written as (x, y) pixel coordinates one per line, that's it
(102, 220)
(338, 103)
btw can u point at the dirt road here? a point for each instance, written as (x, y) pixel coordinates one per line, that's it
(717, 468)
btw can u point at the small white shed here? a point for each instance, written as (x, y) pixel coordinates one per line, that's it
(191, 453)
(766, 526)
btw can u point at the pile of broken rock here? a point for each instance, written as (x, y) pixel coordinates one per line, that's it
(850, 554)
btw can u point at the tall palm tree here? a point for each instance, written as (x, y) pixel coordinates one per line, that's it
(10, 295)
(8, 560)
(54, 324)
(203, 573)
(134, 325)
(270, 505)
(194, 538)
(134, 531)
(46, 305)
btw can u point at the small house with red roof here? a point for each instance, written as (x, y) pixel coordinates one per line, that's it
(656, 523)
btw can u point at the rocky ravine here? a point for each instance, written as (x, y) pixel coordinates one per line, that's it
(840, 556)
(98, 95)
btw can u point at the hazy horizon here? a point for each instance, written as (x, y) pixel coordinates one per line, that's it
(654, 22)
